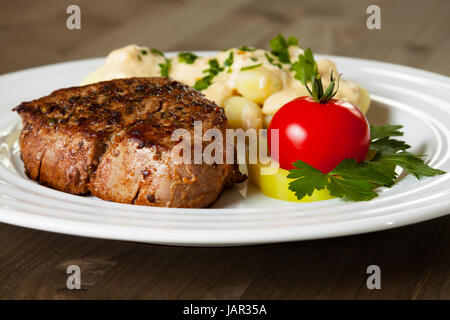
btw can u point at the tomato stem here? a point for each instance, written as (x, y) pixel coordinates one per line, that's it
(316, 92)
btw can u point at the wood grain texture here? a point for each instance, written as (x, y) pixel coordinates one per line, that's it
(415, 260)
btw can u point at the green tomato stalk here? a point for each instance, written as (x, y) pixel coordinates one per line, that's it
(317, 93)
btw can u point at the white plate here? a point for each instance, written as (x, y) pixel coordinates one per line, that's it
(417, 99)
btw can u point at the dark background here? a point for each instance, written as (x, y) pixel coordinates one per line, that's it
(414, 260)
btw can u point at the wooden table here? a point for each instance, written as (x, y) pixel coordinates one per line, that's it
(414, 260)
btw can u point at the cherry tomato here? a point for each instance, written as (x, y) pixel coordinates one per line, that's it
(320, 134)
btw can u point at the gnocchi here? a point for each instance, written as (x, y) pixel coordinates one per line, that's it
(243, 113)
(257, 84)
(278, 99)
(251, 84)
(267, 119)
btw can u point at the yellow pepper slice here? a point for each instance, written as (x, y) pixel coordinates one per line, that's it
(275, 184)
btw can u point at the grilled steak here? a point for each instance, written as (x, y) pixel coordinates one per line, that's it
(113, 139)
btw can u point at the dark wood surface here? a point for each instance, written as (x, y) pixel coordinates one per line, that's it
(414, 260)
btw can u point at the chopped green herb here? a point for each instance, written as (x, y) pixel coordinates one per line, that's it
(212, 71)
(144, 52)
(204, 82)
(357, 181)
(229, 61)
(251, 67)
(165, 68)
(246, 48)
(187, 57)
(156, 51)
(253, 59)
(139, 57)
(271, 61)
(306, 67)
(214, 67)
(214, 64)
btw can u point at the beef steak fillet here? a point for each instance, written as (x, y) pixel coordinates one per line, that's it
(113, 139)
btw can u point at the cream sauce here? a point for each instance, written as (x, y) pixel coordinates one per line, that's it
(131, 62)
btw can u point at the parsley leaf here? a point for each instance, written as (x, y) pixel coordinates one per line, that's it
(377, 132)
(187, 57)
(381, 142)
(387, 145)
(391, 152)
(349, 180)
(307, 178)
(353, 190)
(372, 172)
(409, 162)
(292, 41)
(306, 67)
(279, 48)
(251, 67)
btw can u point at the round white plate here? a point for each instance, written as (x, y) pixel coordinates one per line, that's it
(417, 99)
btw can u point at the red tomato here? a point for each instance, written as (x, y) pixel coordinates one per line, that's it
(320, 134)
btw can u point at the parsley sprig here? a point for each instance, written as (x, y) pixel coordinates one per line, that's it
(306, 67)
(279, 47)
(392, 152)
(358, 181)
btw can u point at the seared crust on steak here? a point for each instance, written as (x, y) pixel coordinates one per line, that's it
(113, 139)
